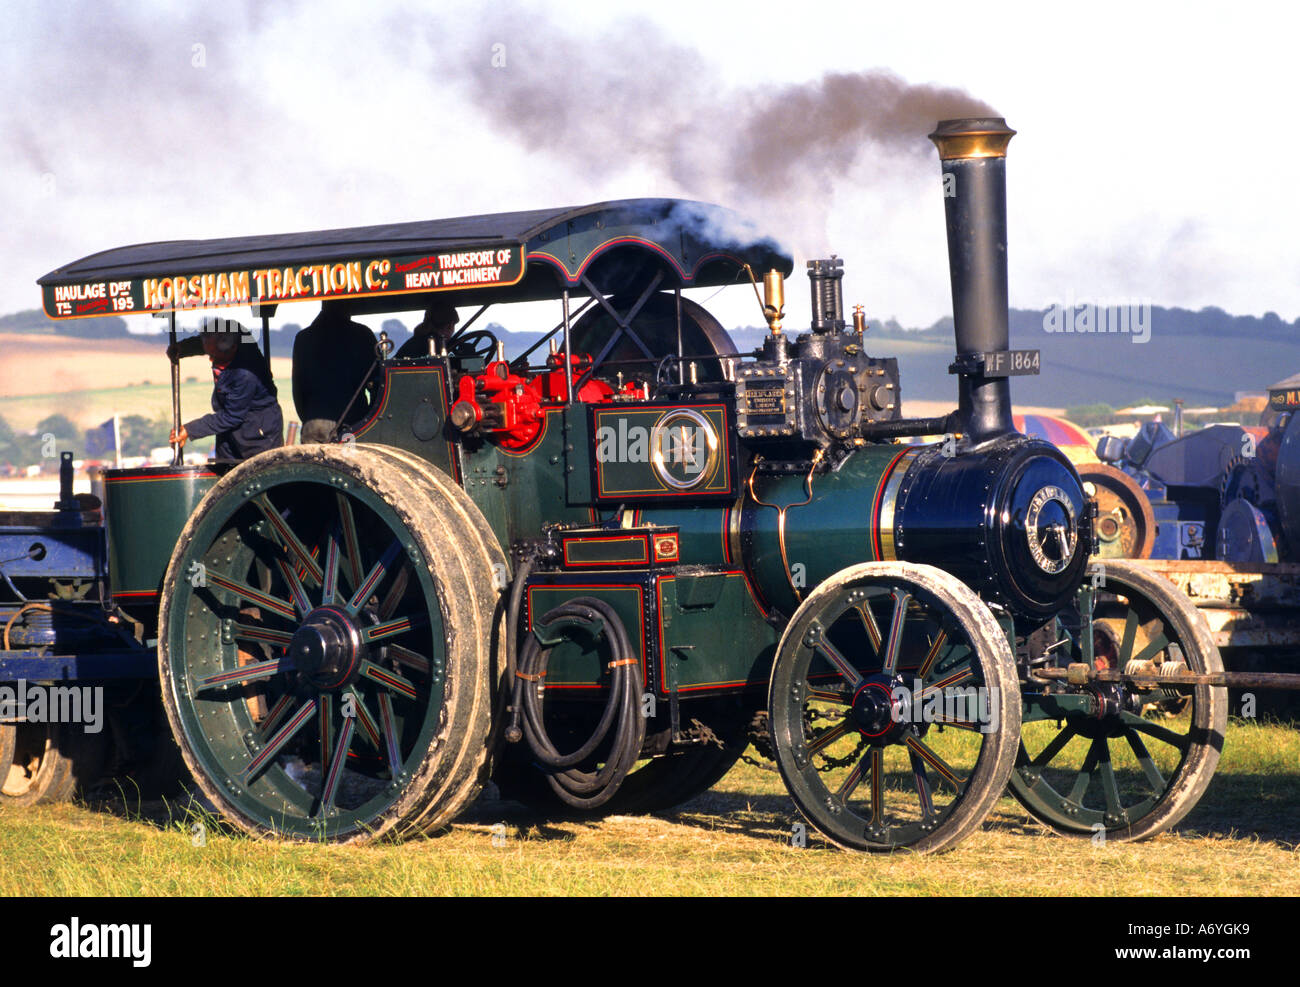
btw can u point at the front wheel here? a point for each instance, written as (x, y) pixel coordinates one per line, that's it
(1110, 760)
(894, 708)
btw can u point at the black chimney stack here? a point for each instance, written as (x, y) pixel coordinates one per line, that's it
(973, 153)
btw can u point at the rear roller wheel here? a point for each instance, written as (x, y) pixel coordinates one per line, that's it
(324, 647)
(1108, 758)
(489, 583)
(894, 708)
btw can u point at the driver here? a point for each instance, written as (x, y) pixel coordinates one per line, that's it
(439, 325)
(331, 360)
(245, 415)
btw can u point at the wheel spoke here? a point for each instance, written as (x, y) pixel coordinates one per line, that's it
(827, 696)
(824, 740)
(958, 724)
(1084, 778)
(932, 654)
(901, 601)
(369, 728)
(273, 603)
(409, 658)
(338, 760)
(389, 680)
(372, 579)
(1180, 741)
(326, 729)
(1055, 747)
(390, 628)
(953, 678)
(946, 770)
(922, 785)
(869, 623)
(298, 594)
(278, 712)
(1109, 787)
(1130, 635)
(852, 781)
(245, 673)
(276, 743)
(877, 756)
(1157, 645)
(1154, 778)
(842, 665)
(389, 725)
(292, 544)
(331, 579)
(395, 592)
(351, 547)
(248, 632)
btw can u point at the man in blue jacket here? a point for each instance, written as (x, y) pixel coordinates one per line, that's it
(245, 414)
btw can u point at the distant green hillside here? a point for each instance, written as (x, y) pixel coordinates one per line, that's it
(1203, 357)
(34, 320)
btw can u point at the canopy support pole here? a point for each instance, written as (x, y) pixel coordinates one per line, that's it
(681, 354)
(264, 312)
(473, 318)
(176, 384)
(568, 354)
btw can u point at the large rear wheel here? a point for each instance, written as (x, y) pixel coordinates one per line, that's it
(324, 647)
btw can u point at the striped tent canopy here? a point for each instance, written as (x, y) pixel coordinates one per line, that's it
(1070, 438)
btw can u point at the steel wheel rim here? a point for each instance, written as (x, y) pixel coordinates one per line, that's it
(224, 732)
(906, 786)
(1084, 775)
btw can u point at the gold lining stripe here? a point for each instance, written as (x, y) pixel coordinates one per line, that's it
(885, 514)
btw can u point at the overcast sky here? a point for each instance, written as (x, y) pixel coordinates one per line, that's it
(1153, 160)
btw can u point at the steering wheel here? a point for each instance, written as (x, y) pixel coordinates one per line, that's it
(480, 343)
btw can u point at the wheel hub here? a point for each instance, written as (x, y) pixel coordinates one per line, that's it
(326, 649)
(877, 715)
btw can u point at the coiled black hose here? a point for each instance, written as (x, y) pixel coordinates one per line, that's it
(622, 713)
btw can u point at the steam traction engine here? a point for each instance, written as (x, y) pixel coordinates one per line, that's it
(590, 576)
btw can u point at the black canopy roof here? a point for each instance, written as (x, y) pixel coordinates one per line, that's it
(617, 246)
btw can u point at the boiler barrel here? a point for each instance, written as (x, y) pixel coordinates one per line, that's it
(1009, 519)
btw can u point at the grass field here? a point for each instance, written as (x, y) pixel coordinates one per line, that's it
(735, 840)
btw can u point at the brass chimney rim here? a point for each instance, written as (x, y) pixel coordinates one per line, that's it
(972, 137)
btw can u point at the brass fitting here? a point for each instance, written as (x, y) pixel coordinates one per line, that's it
(981, 137)
(774, 300)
